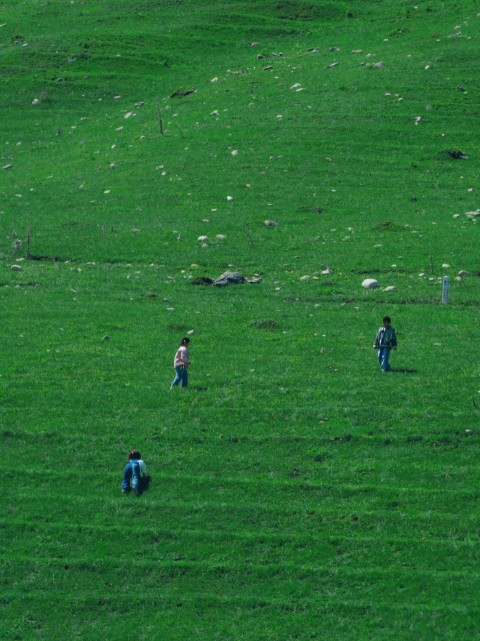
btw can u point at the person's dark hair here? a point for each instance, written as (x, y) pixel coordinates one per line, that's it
(387, 319)
(134, 455)
(185, 340)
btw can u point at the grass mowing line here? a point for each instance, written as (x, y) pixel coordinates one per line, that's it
(234, 535)
(266, 566)
(215, 481)
(319, 601)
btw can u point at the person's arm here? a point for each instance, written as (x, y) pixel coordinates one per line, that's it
(143, 468)
(394, 339)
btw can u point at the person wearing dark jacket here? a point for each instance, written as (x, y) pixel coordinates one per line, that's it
(385, 341)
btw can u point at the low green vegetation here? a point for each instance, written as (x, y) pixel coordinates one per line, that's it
(297, 492)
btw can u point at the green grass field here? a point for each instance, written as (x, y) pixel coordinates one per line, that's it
(297, 492)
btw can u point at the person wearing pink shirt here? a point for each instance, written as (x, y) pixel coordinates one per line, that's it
(181, 363)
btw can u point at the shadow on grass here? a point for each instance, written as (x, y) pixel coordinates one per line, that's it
(145, 483)
(403, 370)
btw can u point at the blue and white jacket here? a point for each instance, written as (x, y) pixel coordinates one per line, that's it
(385, 338)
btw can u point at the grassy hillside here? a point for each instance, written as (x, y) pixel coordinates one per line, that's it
(297, 492)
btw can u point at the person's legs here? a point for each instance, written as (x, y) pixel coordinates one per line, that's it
(127, 475)
(178, 377)
(135, 477)
(384, 364)
(184, 377)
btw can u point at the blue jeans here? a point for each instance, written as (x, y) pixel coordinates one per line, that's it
(181, 376)
(131, 473)
(383, 356)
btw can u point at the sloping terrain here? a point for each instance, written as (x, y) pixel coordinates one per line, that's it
(296, 491)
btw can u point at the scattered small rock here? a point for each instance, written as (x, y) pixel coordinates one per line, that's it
(220, 237)
(16, 268)
(268, 324)
(389, 288)
(203, 239)
(333, 64)
(271, 223)
(370, 283)
(180, 93)
(105, 338)
(378, 65)
(306, 277)
(327, 271)
(7, 167)
(455, 154)
(462, 273)
(229, 278)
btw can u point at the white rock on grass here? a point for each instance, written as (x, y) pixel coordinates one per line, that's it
(327, 271)
(16, 268)
(445, 265)
(370, 283)
(306, 277)
(271, 223)
(390, 288)
(203, 239)
(463, 272)
(456, 216)
(220, 237)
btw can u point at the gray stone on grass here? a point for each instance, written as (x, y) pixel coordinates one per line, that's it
(16, 268)
(370, 283)
(229, 278)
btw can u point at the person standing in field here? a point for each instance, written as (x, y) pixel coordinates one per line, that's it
(385, 340)
(135, 470)
(181, 364)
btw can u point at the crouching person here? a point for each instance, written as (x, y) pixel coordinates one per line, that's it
(134, 473)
